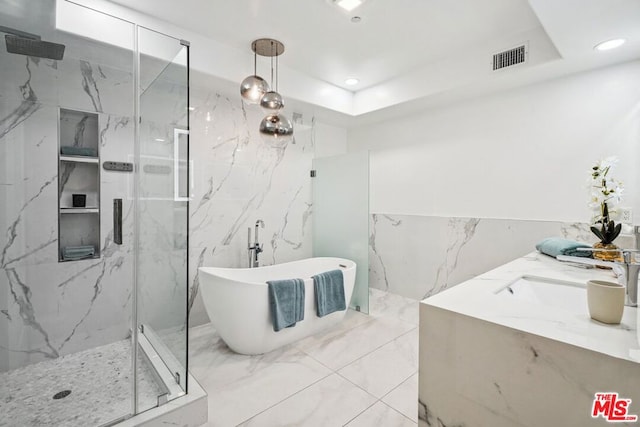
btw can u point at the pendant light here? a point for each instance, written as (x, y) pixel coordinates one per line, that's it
(276, 129)
(253, 88)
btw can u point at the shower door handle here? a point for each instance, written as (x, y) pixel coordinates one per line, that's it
(181, 190)
(117, 221)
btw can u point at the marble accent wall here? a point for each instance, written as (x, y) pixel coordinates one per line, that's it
(47, 308)
(238, 179)
(419, 256)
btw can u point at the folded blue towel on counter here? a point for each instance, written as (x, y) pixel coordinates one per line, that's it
(554, 246)
(329, 292)
(79, 151)
(72, 253)
(286, 299)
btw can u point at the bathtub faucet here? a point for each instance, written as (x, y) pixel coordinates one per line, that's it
(254, 250)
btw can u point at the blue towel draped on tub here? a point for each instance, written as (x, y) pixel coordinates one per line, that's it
(329, 292)
(554, 246)
(286, 299)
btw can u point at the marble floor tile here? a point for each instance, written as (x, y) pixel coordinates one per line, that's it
(352, 319)
(204, 344)
(410, 313)
(340, 348)
(404, 398)
(383, 303)
(384, 369)
(241, 386)
(298, 385)
(381, 415)
(333, 401)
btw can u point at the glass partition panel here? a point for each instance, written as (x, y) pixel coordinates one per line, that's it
(163, 191)
(341, 216)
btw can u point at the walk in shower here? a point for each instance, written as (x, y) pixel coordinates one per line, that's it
(94, 189)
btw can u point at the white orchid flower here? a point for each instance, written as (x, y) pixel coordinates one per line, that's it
(604, 189)
(608, 163)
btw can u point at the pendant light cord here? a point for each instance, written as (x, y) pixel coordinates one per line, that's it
(272, 65)
(255, 61)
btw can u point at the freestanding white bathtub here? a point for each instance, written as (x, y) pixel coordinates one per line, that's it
(237, 302)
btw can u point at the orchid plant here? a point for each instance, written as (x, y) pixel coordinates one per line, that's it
(606, 192)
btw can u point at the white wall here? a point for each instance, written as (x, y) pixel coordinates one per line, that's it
(330, 140)
(520, 154)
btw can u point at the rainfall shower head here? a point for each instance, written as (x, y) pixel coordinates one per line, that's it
(31, 47)
(28, 44)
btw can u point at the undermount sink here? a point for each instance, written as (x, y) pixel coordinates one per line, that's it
(569, 296)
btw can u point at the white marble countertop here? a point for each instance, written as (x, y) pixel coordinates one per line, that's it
(477, 298)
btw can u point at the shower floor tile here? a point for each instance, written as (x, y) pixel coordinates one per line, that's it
(99, 380)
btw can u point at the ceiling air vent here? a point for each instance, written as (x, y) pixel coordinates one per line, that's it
(510, 57)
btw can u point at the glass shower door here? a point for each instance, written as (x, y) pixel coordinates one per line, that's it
(93, 216)
(65, 283)
(162, 216)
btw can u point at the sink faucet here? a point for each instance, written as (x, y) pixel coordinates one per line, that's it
(631, 268)
(628, 269)
(254, 251)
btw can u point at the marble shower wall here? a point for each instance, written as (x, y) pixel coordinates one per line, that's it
(419, 256)
(47, 308)
(238, 179)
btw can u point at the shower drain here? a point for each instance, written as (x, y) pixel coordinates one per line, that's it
(62, 394)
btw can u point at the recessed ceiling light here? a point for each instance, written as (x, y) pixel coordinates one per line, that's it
(610, 44)
(351, 82)
(356, 19)
(348, 5)
(192, 108)
(159, 139)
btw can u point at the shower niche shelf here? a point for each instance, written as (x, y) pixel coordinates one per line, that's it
(79, 179)
(79, 159)
(79, 210)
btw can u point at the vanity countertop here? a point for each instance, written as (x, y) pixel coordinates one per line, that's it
(478, 298)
